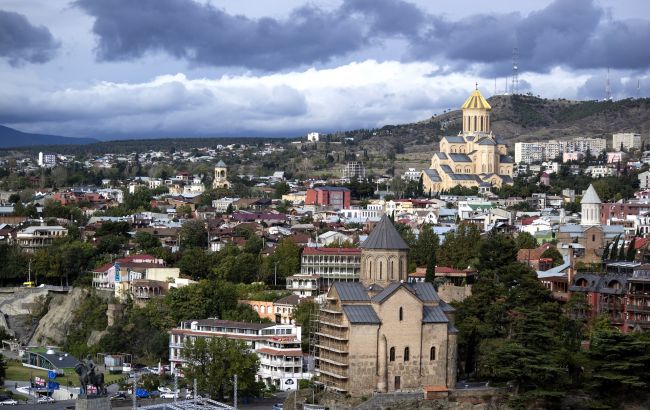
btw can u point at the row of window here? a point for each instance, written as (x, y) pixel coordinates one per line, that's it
(407, 354)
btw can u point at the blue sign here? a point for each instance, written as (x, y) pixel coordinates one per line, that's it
(117, 272)
(51, 374)
(52, 386)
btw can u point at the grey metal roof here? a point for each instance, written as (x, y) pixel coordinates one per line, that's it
(506, 159)
(425, 291)
(486, 141)
(375, 288)
(59, 360)
(351, 291)
(460, 158)
(433, 175)
(384, 236)
(440, 155)
(361, 314)
(454, 139)
(446, 307)
(221, 163)
(381, 296)
(434, 314)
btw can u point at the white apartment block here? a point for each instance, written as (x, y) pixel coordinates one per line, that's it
(277, 346)
(46, 159)
(313, 137)
(34, 238)
(412, 175)
(644, 180)
(628, 140)
(529, 152)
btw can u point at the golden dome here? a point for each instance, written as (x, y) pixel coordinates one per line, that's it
(476, 100)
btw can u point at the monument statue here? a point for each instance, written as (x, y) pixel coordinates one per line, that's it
(88, 376)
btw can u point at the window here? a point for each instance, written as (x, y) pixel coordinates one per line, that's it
(432, 353)
(406, 354)
(401, 313)
(392, 354)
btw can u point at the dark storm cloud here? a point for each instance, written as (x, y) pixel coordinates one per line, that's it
(574, 34)
(205, 35)
(21, 42)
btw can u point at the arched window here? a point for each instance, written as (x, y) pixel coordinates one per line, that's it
(432, 353)
(370, 269)
(401, 313)
(406, 354)
(381, 270)
(593, 238)
(475, 121)
(481, 123)
(392, 354)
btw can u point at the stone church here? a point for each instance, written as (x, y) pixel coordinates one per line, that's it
(383, 334)
(474, 158)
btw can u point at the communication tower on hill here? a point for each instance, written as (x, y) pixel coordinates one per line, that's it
(608, 88)
(514, 89)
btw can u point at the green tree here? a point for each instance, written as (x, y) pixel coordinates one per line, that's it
(184, 211)
(281, 188)
(496, 251)
(613, 254)
(214, 361)
(554, 254)
(253, 245)
(631, 250)
(145, 241)
(426, 246)
(460, 248)
(286, 259)
(195, 263)
(193, 234)
(525, 240)
(302, 315)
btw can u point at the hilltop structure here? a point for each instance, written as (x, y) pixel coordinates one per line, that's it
(473, 158)
(383, 334)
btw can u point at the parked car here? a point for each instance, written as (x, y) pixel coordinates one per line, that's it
(45, 399)
(8, 402)
(164, 389)
(119, 396)
(278, 406)
(141, 393)
(168, 395)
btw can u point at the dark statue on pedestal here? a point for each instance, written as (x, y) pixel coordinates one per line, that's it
(88, 376)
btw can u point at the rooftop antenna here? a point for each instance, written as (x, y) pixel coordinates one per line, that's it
(515, 71)
(608, 88)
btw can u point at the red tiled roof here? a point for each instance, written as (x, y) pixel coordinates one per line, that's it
(332, 251)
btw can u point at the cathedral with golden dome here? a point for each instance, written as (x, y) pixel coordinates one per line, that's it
(474, 158)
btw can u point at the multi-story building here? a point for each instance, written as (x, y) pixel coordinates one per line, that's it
(638, 299)
(626, 140)
(33, 238)
(644, 180)
(277, 346)
(529, 152)
(328, 196)
(331, 264)
(354, 169)
(303, 286)
(473, 157)
(383, 334)
(46, 159)
(221, 205)
(372, 212)
(141, 276)
(412, 175)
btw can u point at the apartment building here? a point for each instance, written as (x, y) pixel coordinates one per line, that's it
(626, 140)
(529, 152)
(331, 264)
(277, 346)
(33, 238)
(354, 169)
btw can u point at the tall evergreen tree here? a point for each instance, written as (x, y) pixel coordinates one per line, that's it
(613, 254)
(631, 250)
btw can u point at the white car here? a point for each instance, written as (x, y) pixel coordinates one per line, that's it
(164, 389)
(8, 402)
(169, 395)
(45, 399)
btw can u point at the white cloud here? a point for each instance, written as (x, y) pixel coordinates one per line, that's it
(363, 94)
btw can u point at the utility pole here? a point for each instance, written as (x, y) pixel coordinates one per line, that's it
(275, 274)
(234, 393)
(135, 382)
(175, 385)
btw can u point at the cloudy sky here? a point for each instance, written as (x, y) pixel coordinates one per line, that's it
(147, 68)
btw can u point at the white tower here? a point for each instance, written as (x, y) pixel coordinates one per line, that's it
(590, 203)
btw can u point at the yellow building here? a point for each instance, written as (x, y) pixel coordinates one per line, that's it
(473, 158)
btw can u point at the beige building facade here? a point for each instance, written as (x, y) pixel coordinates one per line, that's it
(382, 333)
(473, 158)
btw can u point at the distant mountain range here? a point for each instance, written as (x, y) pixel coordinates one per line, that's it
(11, 138)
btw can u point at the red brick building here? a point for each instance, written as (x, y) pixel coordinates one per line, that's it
(328, 196)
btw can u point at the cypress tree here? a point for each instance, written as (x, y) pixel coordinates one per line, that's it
(631, 251)
(613, 255)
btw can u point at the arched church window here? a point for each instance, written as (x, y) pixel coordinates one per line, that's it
(401, 313)
(392, 354)
(407, 354)
(432, 353)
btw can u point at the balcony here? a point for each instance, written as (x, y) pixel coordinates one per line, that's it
(337, 347)
(296, 286)
(330, 311)
(332, 371)
(334, 335)
(334, 359)
(638, 308)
